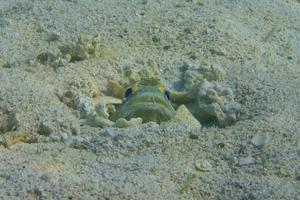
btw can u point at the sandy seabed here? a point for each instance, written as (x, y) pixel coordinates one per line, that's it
(257, 43)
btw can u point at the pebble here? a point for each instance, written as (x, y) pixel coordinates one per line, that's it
(123, 123)
(59, 62)
(84, 104)
(46, 57)
(52, 37)
(246, 161)
(101, 110)
(64, 136)
(203, 166)
(13, 122)
(3, 23)
(45, 177)
(75, 130)
(183, 115)
(135, 121)
(46, 128)
(59, 137)
(55, 138)
(218, 51)
(96, 121)
(260, 140)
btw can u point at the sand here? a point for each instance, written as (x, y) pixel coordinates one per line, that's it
(257, 43)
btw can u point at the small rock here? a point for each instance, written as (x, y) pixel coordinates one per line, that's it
(46, 57)
(45, 177)
(52, 37)
(84, 105)
(183, 115)
(75, 141)
(59, 62)
(6, 176)
(155, 39)
(75, 130)
(260, 140)
(3, 23)
(12, 122)
(96, 121)
(46, 128)
(36, 191)
(216, 104)
(203, 166)
(59, 137)
(213, 72)
(64, 136)
(218, 51)
(55, 138)
(102, 110)
(135, 121)
(123, 123)
(194, 136)
(11, 64)
(246, 161)
(7, 65)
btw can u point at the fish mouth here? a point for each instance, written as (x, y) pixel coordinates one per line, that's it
(150, 98)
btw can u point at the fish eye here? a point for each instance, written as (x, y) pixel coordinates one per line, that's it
(128, 92)
(167, 94)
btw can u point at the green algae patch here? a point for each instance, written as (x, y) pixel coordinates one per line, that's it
(83, 49)
(186, 184)
(11, 138)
